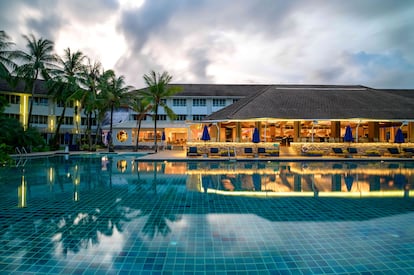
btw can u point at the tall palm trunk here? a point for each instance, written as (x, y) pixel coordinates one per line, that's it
(29, 117)
(55, 140)
(155, 129)
(138, 131)
(110, 145)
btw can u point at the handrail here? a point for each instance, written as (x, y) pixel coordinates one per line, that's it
(18, 150)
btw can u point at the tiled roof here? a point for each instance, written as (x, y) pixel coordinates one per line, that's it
(218, 90)
(309, 102)
(39, 90)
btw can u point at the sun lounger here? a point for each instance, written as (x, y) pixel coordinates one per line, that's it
(395, 152)
(248, 152)
(193, 152)
(214, 152)
(261, 152)
(409, 152)
(352, 150)
(338, 152)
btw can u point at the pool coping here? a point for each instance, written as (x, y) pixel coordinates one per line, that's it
(172, 155)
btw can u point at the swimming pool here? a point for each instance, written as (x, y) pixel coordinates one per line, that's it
(112, 214)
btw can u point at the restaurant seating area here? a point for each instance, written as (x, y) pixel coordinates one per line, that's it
(266, 150)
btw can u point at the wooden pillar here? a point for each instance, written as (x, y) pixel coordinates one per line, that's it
(258, 125)
(410, 132)
(335, 129)
(373, 131)
(296, 131)
(238, 132)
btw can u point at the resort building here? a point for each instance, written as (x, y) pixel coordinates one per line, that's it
(282, 114)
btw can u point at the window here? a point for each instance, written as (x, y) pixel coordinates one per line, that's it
(40, 101)
(179, 102)
(235, 100)
(36, 119)
(67, 120)
(122, 136)
(197, 102)
(136, 116)
(69, 104)
(181, 117)
(219, 102)
(12, 99)
(198, 117)
(163, 100)
(15, 116)
(85, 122)
(162, 117)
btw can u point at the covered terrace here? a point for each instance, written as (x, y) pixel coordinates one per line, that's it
(316, 115)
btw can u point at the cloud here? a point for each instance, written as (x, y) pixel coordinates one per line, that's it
(213, 41)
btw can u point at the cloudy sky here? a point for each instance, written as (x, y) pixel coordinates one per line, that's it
(367, 42)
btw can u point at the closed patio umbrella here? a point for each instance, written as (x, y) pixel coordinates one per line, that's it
(205, 136)
(348, 134)
(399, 137)
(256, 136)
(163, 139)
(349, 180)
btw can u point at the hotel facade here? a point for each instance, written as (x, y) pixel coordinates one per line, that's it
(282, 113)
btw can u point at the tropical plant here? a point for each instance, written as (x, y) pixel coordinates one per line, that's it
(88, 97)
(157, 90)
(141, 106)
(65, 83)
(6, 62)
(114, 92)
(37, 61)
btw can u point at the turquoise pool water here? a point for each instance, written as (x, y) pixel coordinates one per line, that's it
(114, 214)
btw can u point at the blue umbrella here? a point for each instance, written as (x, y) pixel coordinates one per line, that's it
(349, 180)
(206, 135)
(163, 136)
(399, 137)
(256, 136)
(348, 134)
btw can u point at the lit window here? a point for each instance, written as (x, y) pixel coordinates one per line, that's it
(122, 136)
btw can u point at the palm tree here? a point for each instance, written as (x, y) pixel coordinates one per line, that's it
(156, 91)
(114, 90)
(37, 61)
(6, 61)
(88, 97)
(65, 83)
(141, 106)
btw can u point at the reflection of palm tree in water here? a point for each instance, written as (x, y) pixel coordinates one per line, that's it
(284, 180)
(154, 209)
(310, 182)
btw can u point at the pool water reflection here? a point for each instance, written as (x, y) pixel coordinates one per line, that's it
(115, 214)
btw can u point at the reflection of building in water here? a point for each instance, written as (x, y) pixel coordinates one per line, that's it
(323, 178)
(122, 165)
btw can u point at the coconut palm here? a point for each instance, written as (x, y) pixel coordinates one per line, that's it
(65, 83)
(6, 62)
(36, 62)
(114, 91)
(88, 97)
(156, 91)
(141, 106)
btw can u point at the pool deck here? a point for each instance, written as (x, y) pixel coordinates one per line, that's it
(180, 155)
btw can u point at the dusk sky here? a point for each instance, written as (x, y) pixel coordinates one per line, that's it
(364, 42)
